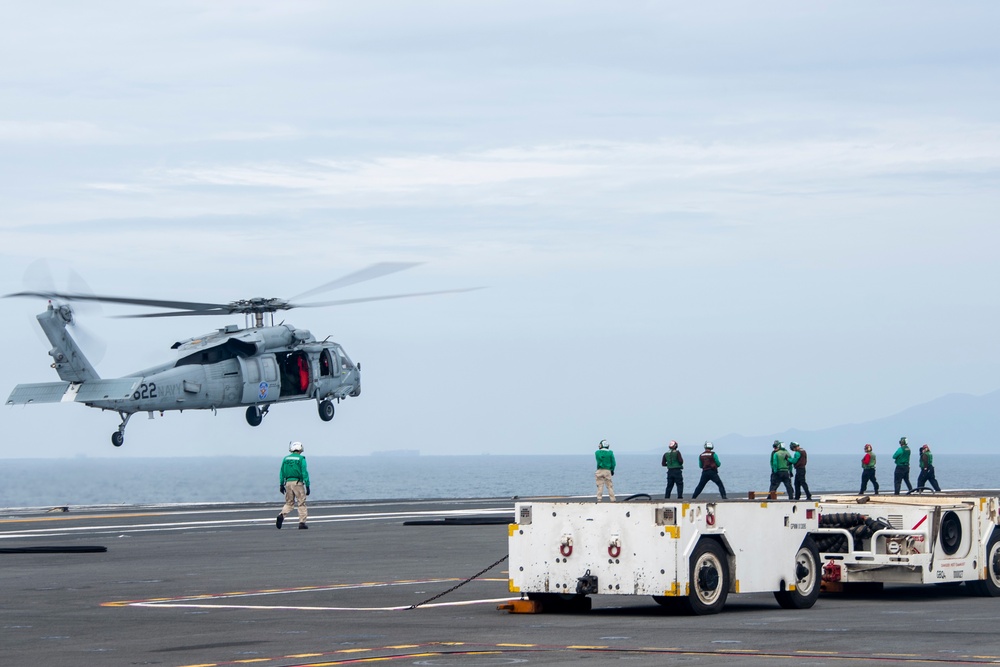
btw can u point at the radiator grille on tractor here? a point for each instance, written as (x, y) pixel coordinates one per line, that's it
(525, 517)
(666, 516)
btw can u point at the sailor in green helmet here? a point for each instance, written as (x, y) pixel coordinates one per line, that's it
(902, 472)
(779, 469)
(674, 463)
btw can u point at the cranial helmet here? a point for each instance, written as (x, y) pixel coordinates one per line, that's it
(709, 446)
(925, 448)
(295, 447)
(777, 443)
(673, 444)
(793, 445)
(902, 440)
(868, 448)
(603, 444)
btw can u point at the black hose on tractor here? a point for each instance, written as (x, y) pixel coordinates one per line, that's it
(860, 526)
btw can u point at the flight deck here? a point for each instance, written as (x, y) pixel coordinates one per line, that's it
(400, 582)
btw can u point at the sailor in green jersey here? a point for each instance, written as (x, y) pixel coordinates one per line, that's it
(779, 468)
(674, 463)
(868, 471)
(605, 470)
(293, 480)
(927, 469)
(902, 472)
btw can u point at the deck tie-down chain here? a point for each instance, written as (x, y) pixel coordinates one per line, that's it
(459, 584)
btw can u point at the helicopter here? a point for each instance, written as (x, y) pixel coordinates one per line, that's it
(256, 366)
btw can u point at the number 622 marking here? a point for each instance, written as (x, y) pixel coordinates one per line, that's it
(145, 391)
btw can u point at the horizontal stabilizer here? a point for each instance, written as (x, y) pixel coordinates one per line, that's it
(107, 390)
(43, 392)
(64, 392)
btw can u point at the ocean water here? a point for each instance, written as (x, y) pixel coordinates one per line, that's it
(109, 481)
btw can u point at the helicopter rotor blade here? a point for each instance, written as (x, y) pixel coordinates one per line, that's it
(244, 306)
(367, 273)
(344, 302)
(154, 303)
(179, 313)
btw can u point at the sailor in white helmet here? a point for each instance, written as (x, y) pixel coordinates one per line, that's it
(708, 461)
(605, 470)
(294, 483)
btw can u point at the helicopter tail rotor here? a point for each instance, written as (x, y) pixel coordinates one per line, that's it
(40, 280)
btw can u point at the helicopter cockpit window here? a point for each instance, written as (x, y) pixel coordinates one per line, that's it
(325, 364)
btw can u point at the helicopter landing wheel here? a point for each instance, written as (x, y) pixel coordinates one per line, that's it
(254, 416)
(118, 437)
(326, 410)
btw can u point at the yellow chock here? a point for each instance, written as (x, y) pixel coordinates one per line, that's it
(521, 607)
(831, 587)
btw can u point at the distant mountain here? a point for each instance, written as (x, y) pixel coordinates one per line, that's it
(954, 423)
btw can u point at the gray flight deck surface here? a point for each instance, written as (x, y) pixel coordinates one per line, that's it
(219, 585)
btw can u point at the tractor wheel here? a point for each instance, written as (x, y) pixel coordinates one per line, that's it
(708, 579)
(807, 579)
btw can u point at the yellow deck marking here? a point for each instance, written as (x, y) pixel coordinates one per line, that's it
(81, 517)
(432, 649)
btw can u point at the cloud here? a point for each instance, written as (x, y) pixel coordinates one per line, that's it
(68, 131)
(688, 167)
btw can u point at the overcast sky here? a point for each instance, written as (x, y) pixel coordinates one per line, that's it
(692, 219)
